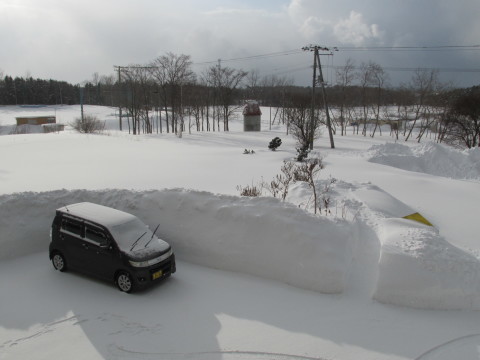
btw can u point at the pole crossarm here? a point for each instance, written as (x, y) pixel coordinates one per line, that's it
(320, 48)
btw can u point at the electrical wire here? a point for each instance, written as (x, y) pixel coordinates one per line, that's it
(254, 57)
(298, 67)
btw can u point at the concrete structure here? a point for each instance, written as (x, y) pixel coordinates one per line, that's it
(252, 116)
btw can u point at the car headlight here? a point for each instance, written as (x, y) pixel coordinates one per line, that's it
(152, 261)
(138, 263)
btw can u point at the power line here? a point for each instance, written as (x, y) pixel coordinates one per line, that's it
(393, 68)
(411, 48)
(254, 57)
(351, 48)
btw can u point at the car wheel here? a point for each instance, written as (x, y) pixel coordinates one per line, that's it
(59, 262)
(124, 282)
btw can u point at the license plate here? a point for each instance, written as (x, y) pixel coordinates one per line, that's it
(157, 275)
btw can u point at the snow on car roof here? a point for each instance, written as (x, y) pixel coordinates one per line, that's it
(97, 213)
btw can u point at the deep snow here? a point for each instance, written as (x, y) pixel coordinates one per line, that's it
(363, 250)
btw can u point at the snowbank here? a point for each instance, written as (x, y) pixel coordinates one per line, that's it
(268, 238)
(258, 236)
(419, 268)
(429, 158)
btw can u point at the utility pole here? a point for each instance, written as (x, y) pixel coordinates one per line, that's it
(316, 61)
(119, 69)
(81, 103)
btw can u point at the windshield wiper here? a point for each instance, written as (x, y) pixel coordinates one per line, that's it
(152, 236)
(136, 241)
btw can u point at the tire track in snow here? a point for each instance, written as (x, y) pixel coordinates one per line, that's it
(451, 349)
(45, 329)
(121, 352)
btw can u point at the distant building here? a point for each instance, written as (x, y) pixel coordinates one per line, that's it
(36, 120)
(37, 124)
(252, 116)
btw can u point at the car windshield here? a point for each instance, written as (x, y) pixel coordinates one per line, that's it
(127, 233)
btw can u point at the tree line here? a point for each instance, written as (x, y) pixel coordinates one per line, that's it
(28, 91)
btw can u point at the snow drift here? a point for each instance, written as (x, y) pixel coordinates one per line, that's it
(419, 268)
(429, 158)
(258, 236)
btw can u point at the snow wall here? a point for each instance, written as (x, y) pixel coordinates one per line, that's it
(265, 237)
(259, 236)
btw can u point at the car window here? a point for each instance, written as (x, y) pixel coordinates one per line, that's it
(72, 226)
(95, 235)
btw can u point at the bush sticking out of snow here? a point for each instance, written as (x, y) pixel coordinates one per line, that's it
(258, 236)
(429, 158)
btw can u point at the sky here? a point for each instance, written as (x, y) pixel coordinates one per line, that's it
(71, 40)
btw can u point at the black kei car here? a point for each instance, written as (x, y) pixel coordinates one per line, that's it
(109, 244)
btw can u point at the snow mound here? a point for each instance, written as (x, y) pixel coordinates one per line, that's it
(258, 236)
(419, 268)
(430, 158)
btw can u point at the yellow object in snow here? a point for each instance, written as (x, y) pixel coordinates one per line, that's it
(417, 217)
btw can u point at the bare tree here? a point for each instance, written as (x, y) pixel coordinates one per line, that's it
(298, 114)
(364, 78)
(171, 73)
(378, 78)
(138, 102)
(463, 120)
(345, 76)
(226, 80)
(252, 83)
(423, 84)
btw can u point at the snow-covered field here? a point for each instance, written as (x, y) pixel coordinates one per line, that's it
(257, 278)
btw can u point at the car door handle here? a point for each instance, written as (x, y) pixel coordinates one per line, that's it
(85, 246)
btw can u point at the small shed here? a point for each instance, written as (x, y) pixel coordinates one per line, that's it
(36, 120)
(252, 116)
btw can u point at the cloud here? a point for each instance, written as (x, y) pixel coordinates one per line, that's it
(70, 40)
(354, 30)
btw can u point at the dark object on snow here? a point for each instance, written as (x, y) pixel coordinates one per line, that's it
(109, 244)
(302, 153)
(275, 143)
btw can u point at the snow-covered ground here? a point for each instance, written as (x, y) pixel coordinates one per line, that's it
(257, 278)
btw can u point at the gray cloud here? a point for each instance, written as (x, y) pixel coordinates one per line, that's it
(70, 40)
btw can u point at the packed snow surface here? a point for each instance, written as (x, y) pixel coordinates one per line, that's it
(247, 266)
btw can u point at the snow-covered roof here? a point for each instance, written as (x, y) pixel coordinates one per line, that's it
(251, 108)
(104, 215)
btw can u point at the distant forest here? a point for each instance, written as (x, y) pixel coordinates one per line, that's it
(107, 92)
